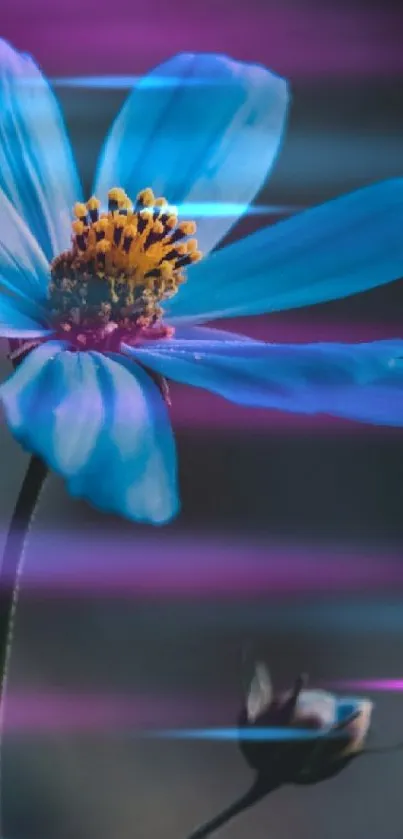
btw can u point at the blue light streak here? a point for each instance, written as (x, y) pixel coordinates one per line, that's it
(233, 734)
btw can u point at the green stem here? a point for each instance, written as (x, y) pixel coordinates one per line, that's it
(13, 553)
(257, 791)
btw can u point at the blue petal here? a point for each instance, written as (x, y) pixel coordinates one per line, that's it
(345, 246)
(37, 170)
(15, 323)
(24, 270)
(346, 706)
(188, 332)
(356, 381)
(103, 427)
(133, 469)
(198, 128)
(23, 393)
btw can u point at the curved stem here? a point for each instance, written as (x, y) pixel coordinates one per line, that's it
(257, 791)
(11, 568)
(381, 750)
(13, 555)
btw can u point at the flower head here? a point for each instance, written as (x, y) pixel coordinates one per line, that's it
(98, 305)
(314, 734)
(298, 736)
(108, 288)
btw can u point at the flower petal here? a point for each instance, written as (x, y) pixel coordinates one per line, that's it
(15, 323)
(356, 381)
(260, 693)
(185, 332)
(37, 170)
(359, 726)
(66, 420)
(200, 129)
(23, 392)
(135, 459)
(101, 426)
(343, 247)
(319, 703)
(24, 270)
(346, 707)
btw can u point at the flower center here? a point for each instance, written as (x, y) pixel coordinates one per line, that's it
(122, 265)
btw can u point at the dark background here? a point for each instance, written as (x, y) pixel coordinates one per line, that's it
(291, 531)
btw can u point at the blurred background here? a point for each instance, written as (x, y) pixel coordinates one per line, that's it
(291, 531)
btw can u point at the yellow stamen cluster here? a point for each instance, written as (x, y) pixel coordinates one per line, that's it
(142, 246)
(122, 265)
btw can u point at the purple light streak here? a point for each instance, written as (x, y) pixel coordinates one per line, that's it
(312, 41)
(195, 409)
(200, 567)
(46, 712)
(371, 685)
(143, 715)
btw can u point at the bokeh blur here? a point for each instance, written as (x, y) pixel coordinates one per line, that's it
(291, 532)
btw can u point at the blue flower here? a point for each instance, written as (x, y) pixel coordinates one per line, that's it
(89, 310)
